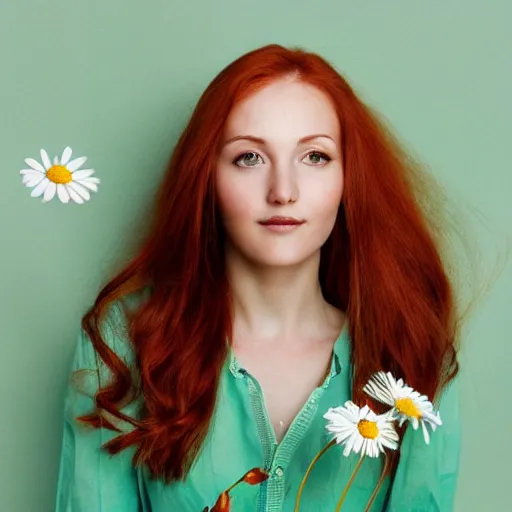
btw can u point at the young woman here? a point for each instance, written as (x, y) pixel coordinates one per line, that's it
(293, 253)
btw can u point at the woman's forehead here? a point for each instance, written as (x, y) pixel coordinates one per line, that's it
(284, 109)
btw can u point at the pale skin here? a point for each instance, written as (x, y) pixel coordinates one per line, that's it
(283, 328)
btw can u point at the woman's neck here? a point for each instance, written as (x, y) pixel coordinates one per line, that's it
(278, 304)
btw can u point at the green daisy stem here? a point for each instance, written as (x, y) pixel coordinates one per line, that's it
(379, 484)
(347, 487)
(313, 462)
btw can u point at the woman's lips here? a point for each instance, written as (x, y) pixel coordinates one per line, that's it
(279, 220)
(282, 225)
(281, 228)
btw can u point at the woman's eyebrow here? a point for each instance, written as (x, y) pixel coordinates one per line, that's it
(259, 140)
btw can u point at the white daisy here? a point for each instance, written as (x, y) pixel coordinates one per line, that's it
(407, 403)
(361, 430)
(63, 178)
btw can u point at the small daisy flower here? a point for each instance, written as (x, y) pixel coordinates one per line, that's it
(407, 403)
(62, 178)
(361, 430)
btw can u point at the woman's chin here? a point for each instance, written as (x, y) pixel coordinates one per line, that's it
(280, 260)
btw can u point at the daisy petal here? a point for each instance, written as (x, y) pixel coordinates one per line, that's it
(425, 433)
(41, 187)
(33, 176)
(81, 191)
(341, 413)
(363, 413)
(89, 185)
(45, 159)
(81, 175)
(49, 192)
(66, 155)
(365, 447)
(62, 193)
(433, 419)
(358, 444)
(342, 438)
(371, 448)
(392, 383)
(34, 164)
(379, 388)
(351, 406)
(73, 195)
(349, 444)
(389, 443)
(31, 171)
(29, 181)
(76, 163)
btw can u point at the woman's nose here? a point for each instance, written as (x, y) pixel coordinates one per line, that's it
(283, 187)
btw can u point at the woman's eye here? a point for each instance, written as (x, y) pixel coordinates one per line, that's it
(316, 157)
(249, 159)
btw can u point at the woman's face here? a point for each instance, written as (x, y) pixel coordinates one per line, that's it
(280, 156)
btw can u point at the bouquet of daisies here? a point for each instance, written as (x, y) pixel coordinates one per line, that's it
(360, 430)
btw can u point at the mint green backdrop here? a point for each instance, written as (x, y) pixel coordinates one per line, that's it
(116, 81)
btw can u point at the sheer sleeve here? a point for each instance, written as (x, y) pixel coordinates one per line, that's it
(90, 480)
(426, 477)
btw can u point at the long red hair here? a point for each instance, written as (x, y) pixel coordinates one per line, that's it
(383, 265)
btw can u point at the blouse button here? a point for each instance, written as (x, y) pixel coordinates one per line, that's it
(279, 471)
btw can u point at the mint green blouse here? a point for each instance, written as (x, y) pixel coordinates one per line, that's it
(240, 438)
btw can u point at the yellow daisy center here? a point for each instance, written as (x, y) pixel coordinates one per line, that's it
(59, 174)
(408, 407)
(368, 429)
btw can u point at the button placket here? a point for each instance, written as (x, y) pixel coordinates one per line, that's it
(278, 455)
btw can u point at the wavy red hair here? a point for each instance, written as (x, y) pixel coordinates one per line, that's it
(383, 265)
